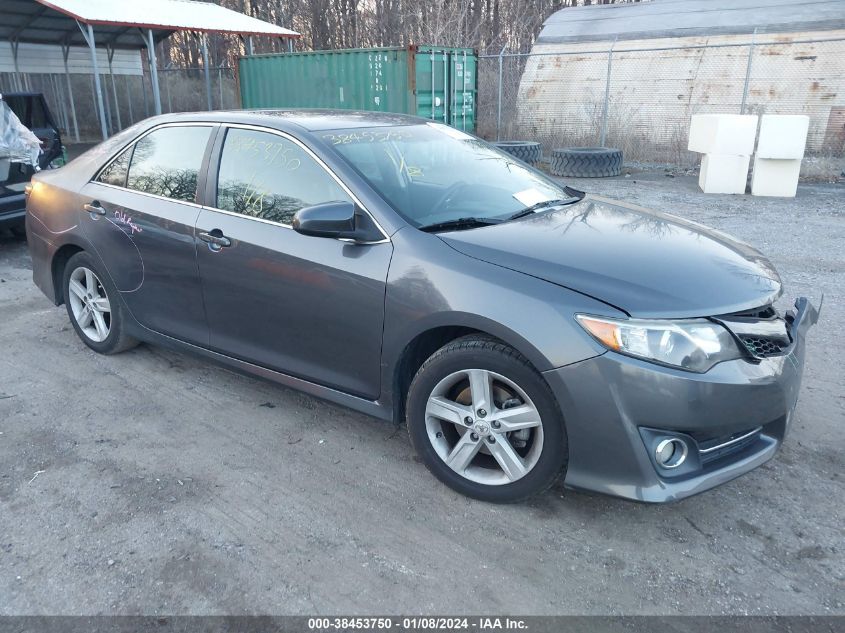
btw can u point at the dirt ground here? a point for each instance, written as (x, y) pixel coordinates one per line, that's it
(152, 482)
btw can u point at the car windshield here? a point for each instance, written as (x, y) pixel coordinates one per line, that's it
(433, 174)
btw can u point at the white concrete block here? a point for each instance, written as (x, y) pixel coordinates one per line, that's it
(723, 174)
(783, 136)
(775, 177)
(723, 134)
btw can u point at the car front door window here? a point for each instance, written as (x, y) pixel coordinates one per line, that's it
(269, 177)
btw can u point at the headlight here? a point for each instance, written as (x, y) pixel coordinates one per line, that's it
(693, 344)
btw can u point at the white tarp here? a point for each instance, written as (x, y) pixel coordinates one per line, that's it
(17, 143)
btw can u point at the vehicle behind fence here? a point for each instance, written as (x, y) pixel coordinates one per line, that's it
(640, 98)
(127, 99)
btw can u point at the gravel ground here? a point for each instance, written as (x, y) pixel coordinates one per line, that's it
(155, 483)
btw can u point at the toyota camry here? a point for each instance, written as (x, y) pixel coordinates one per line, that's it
(525, 332)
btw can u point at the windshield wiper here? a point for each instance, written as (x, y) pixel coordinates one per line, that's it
(534, 208)
(457, 225)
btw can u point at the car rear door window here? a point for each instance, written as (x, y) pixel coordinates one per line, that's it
(115, 172)
(166, 162)
(267, 176)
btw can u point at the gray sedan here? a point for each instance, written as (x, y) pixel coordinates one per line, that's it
(525, 331)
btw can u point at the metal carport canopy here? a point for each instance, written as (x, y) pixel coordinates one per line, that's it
(124, 24)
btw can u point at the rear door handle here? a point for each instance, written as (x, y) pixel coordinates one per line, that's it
(215, 238)
(94, 207)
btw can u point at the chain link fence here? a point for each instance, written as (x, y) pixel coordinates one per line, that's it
(127, 99)
(637, 98)
(641, 99)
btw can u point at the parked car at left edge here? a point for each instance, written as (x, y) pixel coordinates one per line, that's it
(32, 111)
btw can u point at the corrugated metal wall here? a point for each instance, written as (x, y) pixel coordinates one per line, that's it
(46, 58)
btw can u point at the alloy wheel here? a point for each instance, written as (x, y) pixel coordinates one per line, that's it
(89, 304)
(484, 426)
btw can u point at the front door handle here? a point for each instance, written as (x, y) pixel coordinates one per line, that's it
(94, 207)
(215, 239)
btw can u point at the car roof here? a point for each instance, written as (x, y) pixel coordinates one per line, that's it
(312, 120)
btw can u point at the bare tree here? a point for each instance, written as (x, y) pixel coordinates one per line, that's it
(486, 25)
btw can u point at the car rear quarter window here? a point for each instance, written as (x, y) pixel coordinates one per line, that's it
(115, 172)
(166, 162)
(267, 176)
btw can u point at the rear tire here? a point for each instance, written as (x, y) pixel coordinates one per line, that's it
(586, 162)
(94, 306)
(485, 422)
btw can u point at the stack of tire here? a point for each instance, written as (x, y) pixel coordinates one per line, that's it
(526, 151)
(586, 162)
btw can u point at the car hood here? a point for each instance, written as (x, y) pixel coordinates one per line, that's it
(646, 263)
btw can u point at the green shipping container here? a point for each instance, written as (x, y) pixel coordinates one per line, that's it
(433, 82)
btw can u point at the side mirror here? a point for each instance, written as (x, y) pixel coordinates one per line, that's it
(331, 219)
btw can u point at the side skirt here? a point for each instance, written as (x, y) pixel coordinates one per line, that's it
(375, 408)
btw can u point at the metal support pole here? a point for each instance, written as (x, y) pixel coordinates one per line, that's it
(748, 72)
(290, 45)
(454, 97)
(249, 47)
(144, 96)
(88, 33)
(109, 120)
(18, 79)
(205, 62)
(220, 84)
(93, 95)
(114, 88)
(499, 102)
(65, 52)
(167, 89)
(603, 136)
(446, 58)
(464, 95)
(432, 84)
(151, 55)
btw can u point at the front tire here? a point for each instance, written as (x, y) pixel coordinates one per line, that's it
(94, 307)
(485, 422)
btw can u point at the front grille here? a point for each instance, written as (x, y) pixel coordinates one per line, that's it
(718, 447)
(763, 347)
(761, 331)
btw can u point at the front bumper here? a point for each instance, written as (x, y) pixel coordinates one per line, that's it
(614, 406)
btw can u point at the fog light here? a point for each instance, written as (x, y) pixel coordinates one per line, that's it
(671, 452)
